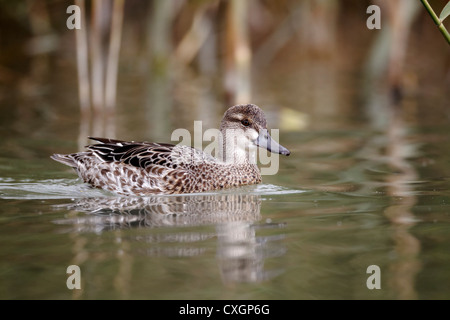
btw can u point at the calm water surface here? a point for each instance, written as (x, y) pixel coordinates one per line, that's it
(347, 198)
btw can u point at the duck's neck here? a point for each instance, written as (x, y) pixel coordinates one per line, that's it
(234, 149)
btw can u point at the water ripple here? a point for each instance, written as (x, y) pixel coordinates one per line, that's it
(74, 188)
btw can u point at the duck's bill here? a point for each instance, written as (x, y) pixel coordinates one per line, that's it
(264, 140)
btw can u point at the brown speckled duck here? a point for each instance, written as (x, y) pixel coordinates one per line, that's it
(147, 168)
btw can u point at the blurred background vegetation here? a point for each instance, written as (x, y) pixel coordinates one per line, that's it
(158, 65)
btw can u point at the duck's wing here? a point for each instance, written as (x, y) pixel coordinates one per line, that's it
(146, 154)
(138, 154)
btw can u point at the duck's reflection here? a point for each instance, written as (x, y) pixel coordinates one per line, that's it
(241, 253)
(235, 218)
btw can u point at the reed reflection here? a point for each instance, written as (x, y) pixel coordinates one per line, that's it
(241, 253)
(407, 247)
(397, 149)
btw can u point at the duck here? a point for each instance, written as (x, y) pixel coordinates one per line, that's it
(150, 168)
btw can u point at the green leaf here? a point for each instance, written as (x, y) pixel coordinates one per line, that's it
(445, 12)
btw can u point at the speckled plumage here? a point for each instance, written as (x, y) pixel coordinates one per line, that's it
(145, 168)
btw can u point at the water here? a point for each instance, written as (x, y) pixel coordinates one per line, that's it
(343, 201)
(366, 184)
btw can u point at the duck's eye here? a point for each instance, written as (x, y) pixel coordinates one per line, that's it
(245, 123)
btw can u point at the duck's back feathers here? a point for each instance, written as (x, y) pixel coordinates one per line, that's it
(137, 154)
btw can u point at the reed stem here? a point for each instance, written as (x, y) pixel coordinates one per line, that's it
(83, 62)
(97, 54)
(436, 20)
(113, 55)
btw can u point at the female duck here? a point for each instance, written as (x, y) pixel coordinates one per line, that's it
(145, 168)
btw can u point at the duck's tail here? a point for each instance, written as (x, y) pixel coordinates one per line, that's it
(66, 159)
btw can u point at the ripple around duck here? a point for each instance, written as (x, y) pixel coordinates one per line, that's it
(46, 189)
(74, 189)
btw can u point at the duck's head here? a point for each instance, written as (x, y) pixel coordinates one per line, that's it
(244, 128)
